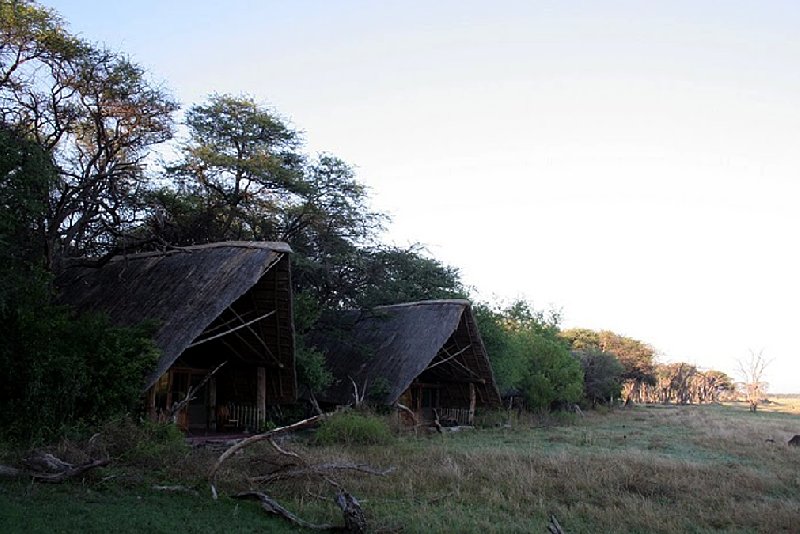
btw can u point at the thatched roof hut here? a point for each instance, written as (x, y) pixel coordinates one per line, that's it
(211, 302)
(390, 350)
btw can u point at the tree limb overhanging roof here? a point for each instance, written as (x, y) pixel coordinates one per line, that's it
(396, 344)
(183, 290)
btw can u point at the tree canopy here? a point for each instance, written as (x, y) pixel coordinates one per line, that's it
(528, 356)
(97, 115)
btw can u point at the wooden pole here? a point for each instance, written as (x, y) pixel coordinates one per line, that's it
(212, 403)
(471, 403)
(261, 397)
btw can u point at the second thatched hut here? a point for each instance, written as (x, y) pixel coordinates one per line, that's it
(426, 356)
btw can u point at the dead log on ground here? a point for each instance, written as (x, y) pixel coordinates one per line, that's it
(274, 508)
(553, 527)
(354, 519)
(56, 470)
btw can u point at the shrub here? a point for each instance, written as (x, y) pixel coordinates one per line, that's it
(63, 372)
(145, 443)
(354, 428)
(602, 376)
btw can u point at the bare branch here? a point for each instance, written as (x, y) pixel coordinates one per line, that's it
(190, 395)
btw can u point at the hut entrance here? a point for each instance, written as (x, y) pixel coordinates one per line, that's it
(425, 398)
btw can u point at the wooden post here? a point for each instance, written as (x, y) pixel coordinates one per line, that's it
(151, 402)
(212, 404)
(261, 397)
(471, 403)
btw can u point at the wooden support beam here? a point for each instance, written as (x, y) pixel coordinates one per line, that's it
(472, 401)
(261, 396)
(212, 404)
(234, 329)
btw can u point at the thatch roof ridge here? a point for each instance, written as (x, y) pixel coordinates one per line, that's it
(277, 246)
(433, 302)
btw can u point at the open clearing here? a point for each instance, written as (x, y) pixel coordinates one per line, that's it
(644, 469)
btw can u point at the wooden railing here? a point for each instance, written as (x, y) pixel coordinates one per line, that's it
(461, 415)
(240, 416)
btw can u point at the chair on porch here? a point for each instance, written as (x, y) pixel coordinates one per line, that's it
(225, 418)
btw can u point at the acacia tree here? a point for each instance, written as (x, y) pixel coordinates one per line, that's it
(752, 373)
(240, 168)
(94, 112)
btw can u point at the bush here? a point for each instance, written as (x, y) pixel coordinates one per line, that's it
(602, 376)
(528, 355)
(354, 428)
(145, 443)
(63, 372)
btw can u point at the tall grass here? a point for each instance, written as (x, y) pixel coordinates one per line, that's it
(662, 469)
(354, 428)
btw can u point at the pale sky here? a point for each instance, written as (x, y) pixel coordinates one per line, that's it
(632, 163)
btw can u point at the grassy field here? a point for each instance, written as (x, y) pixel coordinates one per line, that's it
(644, 469)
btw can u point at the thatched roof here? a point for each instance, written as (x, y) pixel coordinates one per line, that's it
(183, 291)
(393, 345)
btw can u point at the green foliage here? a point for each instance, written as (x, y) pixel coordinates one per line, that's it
(59, 371)
(239, 171)
(26, 174)
(378, 390)
(528, 355)
(602, 376)
(311, 369)
(552, 375)
(395, 275)
(62, 371)
(143, 443)
(354, 428)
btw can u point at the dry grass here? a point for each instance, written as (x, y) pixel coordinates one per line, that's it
(647, 469)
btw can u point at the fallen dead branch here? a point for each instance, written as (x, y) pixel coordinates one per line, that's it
(321, 470)
(354, 518)
(305, 423)
(49, 469)
(406, 410)
(553, 527)
(192, 394)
